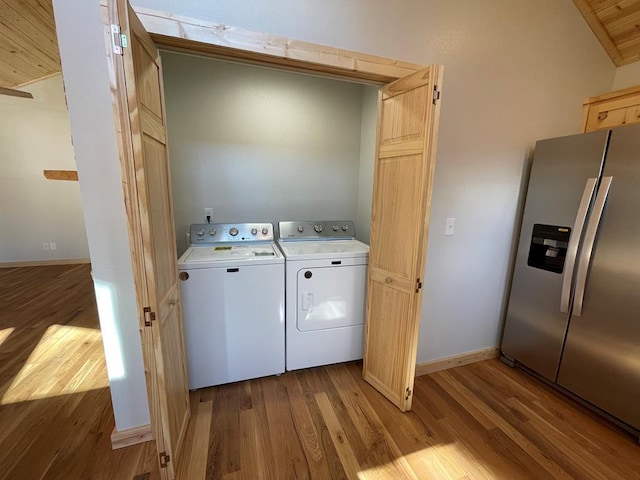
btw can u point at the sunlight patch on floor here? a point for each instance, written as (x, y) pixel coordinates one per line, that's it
(446, 461)
(65, 361)
(4, 334)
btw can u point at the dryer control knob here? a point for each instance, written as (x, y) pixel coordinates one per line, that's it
(335, 228)
(200, 232)
(345, 227)
(233, 232)
(254, 231)
(265, 231)
(300, 228)
(212, 232)
(317, 228)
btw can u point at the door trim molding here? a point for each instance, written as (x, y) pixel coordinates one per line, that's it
(456, 361)
(201, 37)
(131, 436)
(191, 35)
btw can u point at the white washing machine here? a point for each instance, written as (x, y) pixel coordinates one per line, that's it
(232, 290)
(326, 278)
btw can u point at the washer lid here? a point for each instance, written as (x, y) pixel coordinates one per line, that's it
(314, 250)
(225, 255)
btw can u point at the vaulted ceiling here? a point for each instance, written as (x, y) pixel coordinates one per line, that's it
(616, 23)
(29, 49)
(28, 44)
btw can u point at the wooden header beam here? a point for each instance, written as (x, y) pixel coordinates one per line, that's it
(201, 37)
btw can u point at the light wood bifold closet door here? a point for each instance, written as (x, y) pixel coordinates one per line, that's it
(139, 103)
(408, 111)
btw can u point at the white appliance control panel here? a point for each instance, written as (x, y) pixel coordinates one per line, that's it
(205, 233)
(322, 230)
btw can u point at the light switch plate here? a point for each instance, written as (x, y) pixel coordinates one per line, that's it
(450, 226)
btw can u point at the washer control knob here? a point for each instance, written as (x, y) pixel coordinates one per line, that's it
(233, 232)
(335, 228)
(300, 228)
(317, 228)
(345, 228)
(212, 232)
(254, 231)
(265, 231)
(200, 232)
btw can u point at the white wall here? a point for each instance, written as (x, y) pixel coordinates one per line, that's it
(259, 145)
(627, 76)
(515, 71)
(367, 162)
(82, 50)
(35, 136)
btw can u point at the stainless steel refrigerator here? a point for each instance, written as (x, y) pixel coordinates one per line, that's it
(574, 311)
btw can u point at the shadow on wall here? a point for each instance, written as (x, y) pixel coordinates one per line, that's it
(517, 226)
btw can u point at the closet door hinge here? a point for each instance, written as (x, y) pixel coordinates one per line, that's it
(118, 41)
(436, 94)
(407, 393)
(164, 459)
(418, 285)
(149, 316)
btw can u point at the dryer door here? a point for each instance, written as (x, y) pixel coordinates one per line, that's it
(330, 297)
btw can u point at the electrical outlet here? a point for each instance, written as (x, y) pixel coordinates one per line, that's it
(52, 245)
(45, 246)
(208, 212)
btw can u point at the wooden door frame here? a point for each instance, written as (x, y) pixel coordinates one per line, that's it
(195, 36)
(189, 35)
(201, 37)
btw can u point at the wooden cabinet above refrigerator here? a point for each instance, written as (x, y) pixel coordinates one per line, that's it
(611, 110)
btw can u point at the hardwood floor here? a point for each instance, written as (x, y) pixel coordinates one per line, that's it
(479, 421)
(56, 417)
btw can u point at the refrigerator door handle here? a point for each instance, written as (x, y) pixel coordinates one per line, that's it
(589, 240)
(574, 241)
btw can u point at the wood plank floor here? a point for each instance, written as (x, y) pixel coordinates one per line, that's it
(56, 417)
(480, 421)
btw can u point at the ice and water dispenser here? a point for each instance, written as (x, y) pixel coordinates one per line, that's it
(548, 248)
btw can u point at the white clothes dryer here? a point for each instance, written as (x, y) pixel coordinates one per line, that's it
(326, 278)
(232, 290)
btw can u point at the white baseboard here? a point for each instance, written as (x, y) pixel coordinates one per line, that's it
(42, 263)
(456, 361)
(131, 436)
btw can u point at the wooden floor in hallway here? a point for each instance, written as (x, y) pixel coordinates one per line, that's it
(56, 417)
(480, 421)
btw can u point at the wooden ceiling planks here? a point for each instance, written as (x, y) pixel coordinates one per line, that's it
(28, 43)
(616, 23)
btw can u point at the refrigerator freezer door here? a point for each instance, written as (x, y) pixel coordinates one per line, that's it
(535, 326)
(601, 359)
